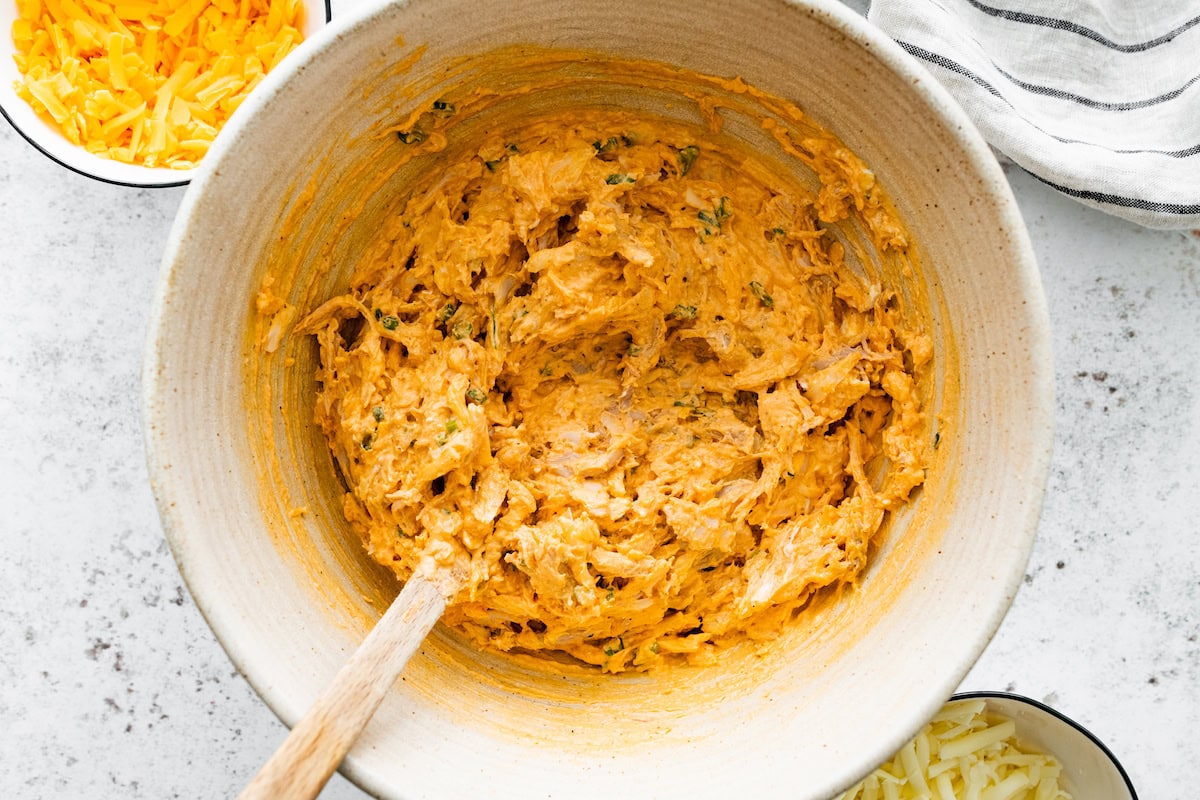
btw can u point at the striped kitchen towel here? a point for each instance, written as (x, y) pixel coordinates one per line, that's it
(1099, 99)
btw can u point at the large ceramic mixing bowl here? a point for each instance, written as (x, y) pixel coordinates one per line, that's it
(297, 184)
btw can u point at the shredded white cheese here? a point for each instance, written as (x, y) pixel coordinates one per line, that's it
(965, 753)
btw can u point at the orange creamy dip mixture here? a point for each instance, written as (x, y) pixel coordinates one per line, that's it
(615, 377)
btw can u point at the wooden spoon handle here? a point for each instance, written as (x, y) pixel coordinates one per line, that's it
(316, 746)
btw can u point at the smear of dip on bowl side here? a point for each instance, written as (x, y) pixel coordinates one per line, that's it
(620, 377)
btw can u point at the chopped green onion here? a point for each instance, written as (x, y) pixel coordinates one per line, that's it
(377, 412)
(476, 396)
(619, 177)
(440, 439)
(761, 294)
(684, 312)
(390, 323)
(687, 157)
(447, 312)
(607, 146)
(654, 648)
(451, 425)
(463, 329)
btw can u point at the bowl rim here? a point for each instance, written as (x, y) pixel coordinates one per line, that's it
(76, 159)
(837, 17)
(1053, 712)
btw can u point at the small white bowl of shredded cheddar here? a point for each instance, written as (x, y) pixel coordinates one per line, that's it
(133, 92)
(998, 746)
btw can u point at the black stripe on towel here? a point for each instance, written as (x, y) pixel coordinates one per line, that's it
(1059, 94)
(1076, 28)
(1126, 202)
(954, 66)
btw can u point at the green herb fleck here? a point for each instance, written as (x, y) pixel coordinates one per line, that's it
(451, 425)
(463, 329)
(377, 412)
(415, 136)
(378, 315)
(610, 652)
(447, 312)
(476, 396)
(761, 294)
(717, 218)
(654, 648)
(546, 371)
(607, 146)
(619, 177)
(684, 312)
(610, 594)
(443, 107)
(687, 157)
(390, 323)
(634, 350)
(367, 441)
(779, 231)
(441, 439)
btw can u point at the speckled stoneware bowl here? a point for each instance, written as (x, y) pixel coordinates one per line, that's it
(51, 142)
(1090, 770)
(252, 509)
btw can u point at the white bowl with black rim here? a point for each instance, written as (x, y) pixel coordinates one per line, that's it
(50, 141)
(1090, 771)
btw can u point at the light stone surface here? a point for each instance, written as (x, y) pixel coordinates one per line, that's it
(111, 684)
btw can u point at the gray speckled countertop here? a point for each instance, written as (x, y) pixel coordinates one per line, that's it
(111, 684)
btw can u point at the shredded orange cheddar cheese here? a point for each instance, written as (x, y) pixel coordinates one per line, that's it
(148, 82)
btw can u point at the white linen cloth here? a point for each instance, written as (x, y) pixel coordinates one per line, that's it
(1099, 99)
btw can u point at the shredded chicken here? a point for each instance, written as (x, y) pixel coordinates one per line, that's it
(614, 376)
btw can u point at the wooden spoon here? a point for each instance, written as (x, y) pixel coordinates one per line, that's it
(316, 746)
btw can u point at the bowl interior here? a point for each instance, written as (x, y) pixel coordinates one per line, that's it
(299, 182)
(51, 142)
(1089, 768)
